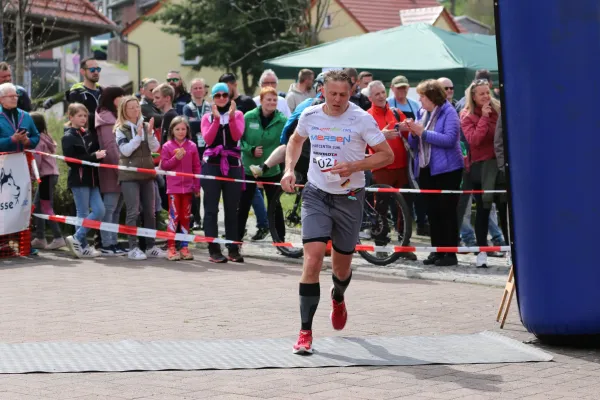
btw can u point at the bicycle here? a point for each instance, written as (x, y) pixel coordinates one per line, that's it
(374, 226)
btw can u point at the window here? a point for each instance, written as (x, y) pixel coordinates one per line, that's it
(184, 61)
(327, 22)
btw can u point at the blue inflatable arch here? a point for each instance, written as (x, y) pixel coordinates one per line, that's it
(549, 56)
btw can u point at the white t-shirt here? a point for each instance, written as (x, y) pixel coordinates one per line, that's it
(281, 105)
(337, 139)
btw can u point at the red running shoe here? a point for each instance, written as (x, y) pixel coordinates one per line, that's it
(304, 343)
(338, 315)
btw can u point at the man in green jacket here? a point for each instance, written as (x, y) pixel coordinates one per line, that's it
(261, 137)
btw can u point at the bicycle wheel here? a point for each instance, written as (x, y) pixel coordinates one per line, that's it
(385, 214)
(288, 205)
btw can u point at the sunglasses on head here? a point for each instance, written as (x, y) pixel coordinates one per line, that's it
(221, 95)
(174, 80)
(93, 70)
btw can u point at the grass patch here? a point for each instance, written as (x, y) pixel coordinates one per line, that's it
(121, 66)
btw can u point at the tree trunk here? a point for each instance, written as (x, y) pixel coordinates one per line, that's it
(19, 77)
(245, 80)
(453, 7)
(1, 29)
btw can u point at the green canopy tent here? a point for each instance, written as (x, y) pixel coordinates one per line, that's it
(418, 51)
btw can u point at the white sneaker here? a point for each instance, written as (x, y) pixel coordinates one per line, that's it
(74, 246)
(156, 252)
(90, 252)
(39, 243)
(365, 234)
(56, 244)
(482, 260)
(136, 254)
(256, 170)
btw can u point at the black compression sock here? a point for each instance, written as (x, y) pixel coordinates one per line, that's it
(339, 287)
(309, 301)
(264, 167)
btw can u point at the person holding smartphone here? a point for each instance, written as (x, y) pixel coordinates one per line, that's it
(17, 130)
(395, 174)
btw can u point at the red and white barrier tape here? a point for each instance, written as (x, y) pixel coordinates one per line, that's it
(152, 233)
(220, 178)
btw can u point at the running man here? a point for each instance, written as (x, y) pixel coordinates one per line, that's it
(333, 198)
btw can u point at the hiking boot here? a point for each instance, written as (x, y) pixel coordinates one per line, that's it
(234, 255)
(215, 255)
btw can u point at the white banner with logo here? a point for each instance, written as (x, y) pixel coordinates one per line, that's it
(15, 193)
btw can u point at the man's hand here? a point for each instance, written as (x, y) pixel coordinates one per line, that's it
(344, 169)
(197, 194)
(258, 151)
(288, 182)
(389, 133)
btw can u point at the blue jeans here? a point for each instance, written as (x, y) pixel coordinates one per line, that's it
(258, 204)
(467, 234)
(113, 202)
(86, 198)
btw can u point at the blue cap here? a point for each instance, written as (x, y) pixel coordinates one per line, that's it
(220, 87)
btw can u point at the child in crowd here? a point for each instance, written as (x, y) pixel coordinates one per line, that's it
(82, 179)
(44, 196)
(136, 142)
(180, 154)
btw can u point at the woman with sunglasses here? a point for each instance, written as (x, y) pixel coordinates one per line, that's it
(222, 130)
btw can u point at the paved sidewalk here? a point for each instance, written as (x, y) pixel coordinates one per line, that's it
(55, 298)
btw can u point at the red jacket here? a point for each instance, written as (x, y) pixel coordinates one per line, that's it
(479, 132)
(385, 116)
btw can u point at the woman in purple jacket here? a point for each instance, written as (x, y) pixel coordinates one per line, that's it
(438, 165)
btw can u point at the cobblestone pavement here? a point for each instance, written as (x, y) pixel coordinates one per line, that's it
(54, 297)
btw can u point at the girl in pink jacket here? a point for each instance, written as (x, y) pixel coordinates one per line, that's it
(180, 154)
(44, 196)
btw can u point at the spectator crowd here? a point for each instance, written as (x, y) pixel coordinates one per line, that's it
(439, 142)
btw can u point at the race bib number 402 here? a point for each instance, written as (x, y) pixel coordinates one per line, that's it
(325, 164)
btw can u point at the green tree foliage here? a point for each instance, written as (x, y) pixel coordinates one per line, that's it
(237, 35)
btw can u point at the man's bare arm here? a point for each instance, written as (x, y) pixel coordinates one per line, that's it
(276, 157)
(382, 157)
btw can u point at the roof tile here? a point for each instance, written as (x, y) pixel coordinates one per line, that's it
(75, 10)
(386, 13)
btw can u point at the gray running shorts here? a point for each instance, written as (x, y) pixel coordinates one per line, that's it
(335, 217)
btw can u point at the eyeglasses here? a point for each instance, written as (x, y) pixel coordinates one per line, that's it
(221, 95)
(269, 83)
(173, 80)
(11, 96)
(93, 70)
(449, 88)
